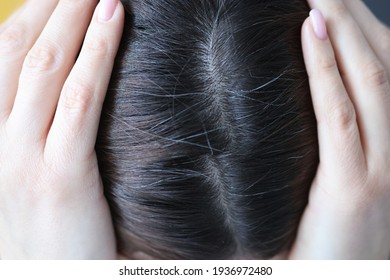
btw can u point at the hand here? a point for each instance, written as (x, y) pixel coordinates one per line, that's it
(348, 215)
(52, 204)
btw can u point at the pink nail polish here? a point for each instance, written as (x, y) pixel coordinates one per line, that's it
(319, 24)
(107, 9)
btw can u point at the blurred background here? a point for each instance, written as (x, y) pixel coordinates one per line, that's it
(380, 7)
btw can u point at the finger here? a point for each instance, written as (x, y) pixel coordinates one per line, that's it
(47, 65)
(364, 77)
(77, 118)
(377, 34)
(339, 139)
(12, 18)
(19, 34)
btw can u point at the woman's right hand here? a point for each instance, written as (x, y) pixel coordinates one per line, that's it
(348, 215)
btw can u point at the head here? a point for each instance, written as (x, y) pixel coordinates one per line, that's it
(208, 143)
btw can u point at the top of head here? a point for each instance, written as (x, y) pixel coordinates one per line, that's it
(208, 145)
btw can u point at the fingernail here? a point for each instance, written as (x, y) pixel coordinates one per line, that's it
(319, 24)
(107, 9)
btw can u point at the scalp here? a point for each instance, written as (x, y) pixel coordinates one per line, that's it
(208, 146)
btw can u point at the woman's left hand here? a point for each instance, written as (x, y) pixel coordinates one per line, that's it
(348, 214)
(52, 204)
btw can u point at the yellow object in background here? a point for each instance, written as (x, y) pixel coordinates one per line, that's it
(7, 7)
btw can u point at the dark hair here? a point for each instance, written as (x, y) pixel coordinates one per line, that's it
(208, 141)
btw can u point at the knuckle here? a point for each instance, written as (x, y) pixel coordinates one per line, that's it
(42, 58)
(339, 10)
(376, 74)
(342, 116)
(77, 98)
(97, 46)
(328, 64)
(13, 39)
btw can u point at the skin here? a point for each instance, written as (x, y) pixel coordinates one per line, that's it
(348, 215)
(51, 196)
